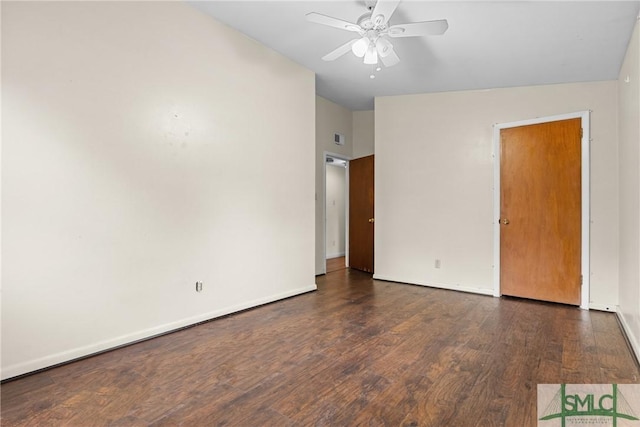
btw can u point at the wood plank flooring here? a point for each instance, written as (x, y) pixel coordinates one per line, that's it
(335, 264)
(356, 352)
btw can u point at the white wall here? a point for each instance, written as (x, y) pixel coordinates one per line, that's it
(140, 148)
(335, 211)
(363, 133)
(434, 178)
(331, 118)
(629, 120)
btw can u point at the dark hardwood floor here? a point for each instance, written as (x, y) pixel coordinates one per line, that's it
(356, 352)
(335, 264)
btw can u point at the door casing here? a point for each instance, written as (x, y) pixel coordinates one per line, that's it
(585, 162)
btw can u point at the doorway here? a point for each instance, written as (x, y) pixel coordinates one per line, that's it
(336, 208)
(541, 206)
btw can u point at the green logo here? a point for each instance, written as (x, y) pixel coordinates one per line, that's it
(582, 407)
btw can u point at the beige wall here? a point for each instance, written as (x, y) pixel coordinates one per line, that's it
(141, 153)
(363, 133)
(629, 120)
(434, 179)
(331, 118)
(335, 211)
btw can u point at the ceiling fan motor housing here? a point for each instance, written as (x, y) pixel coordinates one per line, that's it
(366, 23)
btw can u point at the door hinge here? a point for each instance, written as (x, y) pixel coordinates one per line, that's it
(581, 280)
(581, 133)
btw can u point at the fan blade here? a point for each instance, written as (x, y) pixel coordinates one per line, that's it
(415, 29)
(337, 53)
(391, 59)
(333, 22)
(385, 9)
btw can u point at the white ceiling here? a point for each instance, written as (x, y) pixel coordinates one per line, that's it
(488, 44)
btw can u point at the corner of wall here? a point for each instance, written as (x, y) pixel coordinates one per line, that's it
(629, 191)
(363, 133)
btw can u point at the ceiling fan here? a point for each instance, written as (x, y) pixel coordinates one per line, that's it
(373, 29)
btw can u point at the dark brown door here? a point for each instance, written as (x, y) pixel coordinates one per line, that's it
(361, 219)
(540, 205)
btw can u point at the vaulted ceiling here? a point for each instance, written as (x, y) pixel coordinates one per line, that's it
(488, 44)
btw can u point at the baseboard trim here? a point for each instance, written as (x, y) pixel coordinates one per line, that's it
(626, 330)
(603, 307)
(459, 288)
(47, 362)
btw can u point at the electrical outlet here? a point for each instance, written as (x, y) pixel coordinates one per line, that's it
(198, 286)
(437, 263)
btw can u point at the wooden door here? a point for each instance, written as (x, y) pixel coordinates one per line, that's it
(540, 211)
(361, 219)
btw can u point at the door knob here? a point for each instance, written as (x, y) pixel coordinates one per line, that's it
(371, 220)
(504, 221)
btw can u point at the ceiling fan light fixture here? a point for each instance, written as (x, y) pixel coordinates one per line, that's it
(384, 47)
(360, 47)
(371, 57)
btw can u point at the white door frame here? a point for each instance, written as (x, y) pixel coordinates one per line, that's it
(326, 155)
(586, 172)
